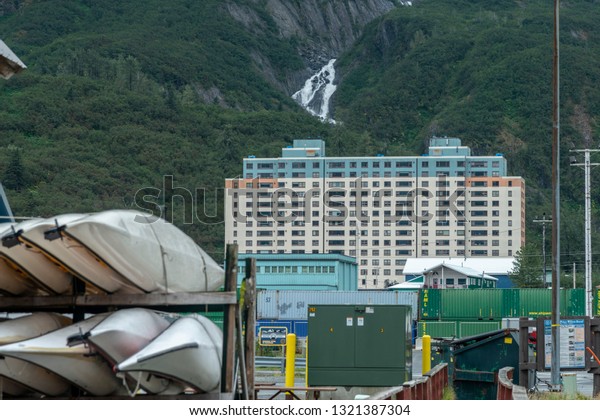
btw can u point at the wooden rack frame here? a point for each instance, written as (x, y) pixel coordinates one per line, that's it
(172, 302)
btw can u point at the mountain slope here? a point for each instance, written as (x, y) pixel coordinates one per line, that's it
(482, 71)
(119, 96)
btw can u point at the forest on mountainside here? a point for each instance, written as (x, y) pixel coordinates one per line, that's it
(482, 71)
(119, 98)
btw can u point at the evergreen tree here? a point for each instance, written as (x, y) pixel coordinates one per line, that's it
(14, 176)
(527, 270)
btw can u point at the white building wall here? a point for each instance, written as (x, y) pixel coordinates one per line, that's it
(380, 221)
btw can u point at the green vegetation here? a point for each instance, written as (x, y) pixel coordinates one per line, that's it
(448, 393)
(482, 71)
(527, 271)
(558, 396)
(118, 95)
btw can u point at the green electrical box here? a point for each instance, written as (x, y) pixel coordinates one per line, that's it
(359, 345)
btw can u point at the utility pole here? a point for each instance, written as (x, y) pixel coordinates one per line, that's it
(555, 382)
(574, 275)
(588, 224)
(543, 221)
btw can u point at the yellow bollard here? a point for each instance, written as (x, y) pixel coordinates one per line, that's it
(306, 358)
(290, 361)
(426, 353)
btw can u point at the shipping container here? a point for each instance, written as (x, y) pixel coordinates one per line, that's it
(437, 329)
(456, 328)
(471, 304)
(293, 304)
(467, 328)
(429, 304)
(495, 304)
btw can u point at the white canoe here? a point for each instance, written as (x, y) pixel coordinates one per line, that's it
(126, 332)
(22, 376)
(13, 281)
(76, 364)
(74, 256)
(148, 252)
(188, 351)
(8, 387)
(27, 268)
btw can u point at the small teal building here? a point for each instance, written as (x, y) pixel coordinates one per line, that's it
(302, 271)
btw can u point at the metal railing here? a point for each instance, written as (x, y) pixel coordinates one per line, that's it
(266, 361)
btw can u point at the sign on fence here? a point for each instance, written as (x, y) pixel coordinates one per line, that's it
(272, 336)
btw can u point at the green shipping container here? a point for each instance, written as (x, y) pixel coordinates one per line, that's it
(456, 328)
(471, 304)
(429, 303)
(437, 329)
(495, 304)
(467, 329)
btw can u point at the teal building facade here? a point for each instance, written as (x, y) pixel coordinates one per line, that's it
(302, 271)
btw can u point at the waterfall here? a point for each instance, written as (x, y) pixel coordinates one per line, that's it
(317, 91)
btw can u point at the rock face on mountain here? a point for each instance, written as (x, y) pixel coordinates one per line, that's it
(332, 26)
(320, 29)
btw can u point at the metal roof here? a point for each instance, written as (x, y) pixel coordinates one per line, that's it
(492, 266)
(416, 283)
(469, 272)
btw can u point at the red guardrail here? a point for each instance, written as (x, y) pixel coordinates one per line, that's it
(429, 387)
(506, 389)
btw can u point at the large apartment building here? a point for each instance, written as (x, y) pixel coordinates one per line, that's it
(380, 210)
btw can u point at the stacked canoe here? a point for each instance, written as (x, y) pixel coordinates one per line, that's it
(116, 251)
(128, 352)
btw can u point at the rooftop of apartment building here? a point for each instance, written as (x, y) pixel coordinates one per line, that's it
(306, 158)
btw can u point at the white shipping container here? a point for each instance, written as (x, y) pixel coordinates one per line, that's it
(293, 304)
